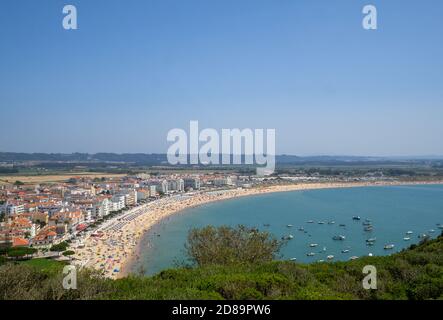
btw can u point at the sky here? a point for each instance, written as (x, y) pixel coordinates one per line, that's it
(135, 69)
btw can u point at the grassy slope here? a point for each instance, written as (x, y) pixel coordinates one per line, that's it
(416, 273)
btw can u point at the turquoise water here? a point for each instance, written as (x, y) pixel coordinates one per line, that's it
(393, 211)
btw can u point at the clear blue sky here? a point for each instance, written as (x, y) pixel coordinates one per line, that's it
(136, 68)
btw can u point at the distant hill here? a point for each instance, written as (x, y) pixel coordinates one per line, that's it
(161, 159)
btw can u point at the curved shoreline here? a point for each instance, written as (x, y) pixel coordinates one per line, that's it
(118, 248)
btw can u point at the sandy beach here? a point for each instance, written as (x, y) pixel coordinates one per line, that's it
(111, 249)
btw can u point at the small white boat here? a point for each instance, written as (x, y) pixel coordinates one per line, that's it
(301, 229)
(321, 222)
(406, 238)
(340, 237)
(431, 231)
(409, 232)
(356, 218)
(389, 246)
(330, 257)
(293, 259)
(345, 251)
(289, 226)
(310, 221)
(353, 258)
(370, 254)
(320, 261)
(331, 222)
(313, 245)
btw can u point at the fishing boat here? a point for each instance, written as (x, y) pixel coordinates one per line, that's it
(289, 226)
(366, 223)
(313, 245)
(320, 261)
(345, 251)
(353, 258)
(389, 247)
(330, 257)
(340, 238)
(310, 221)
(321, 222)
(406, 238)
(331, 222)
(356, 218)
(371, 240)
(409, 232)
(293, 259)
(369, 228)
(288, 237)
(301, 229)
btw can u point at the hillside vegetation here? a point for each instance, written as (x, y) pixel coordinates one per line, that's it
(240, 263)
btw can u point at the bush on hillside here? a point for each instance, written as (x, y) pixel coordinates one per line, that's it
(227, 246)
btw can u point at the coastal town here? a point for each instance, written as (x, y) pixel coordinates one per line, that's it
(98, 222)
(41, 215)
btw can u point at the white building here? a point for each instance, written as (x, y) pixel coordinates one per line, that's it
(101, 208)
(193, 183)
(176, 185)
(14, 208)
(118, 202)
(152, 191)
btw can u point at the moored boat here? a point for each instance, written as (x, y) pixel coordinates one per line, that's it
(310, 254)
